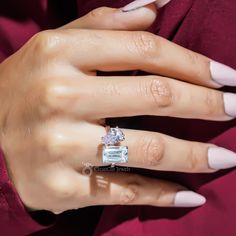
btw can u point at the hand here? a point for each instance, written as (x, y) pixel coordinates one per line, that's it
(52, 106)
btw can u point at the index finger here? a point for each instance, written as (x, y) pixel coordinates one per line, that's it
(123, 50)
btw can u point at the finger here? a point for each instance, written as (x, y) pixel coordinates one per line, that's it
(120, 51)
(161, 152)
(153, 95)
(115, 19)
(131, 189)
(143, 95)
(80, 143)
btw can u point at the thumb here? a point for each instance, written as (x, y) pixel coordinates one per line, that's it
(115, 19)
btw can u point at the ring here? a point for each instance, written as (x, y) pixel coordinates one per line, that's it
(113, 152)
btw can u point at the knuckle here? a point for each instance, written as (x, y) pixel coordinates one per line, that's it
(98, 12)
(152, 150)
(214, 103)
(131, 191)
(145, 44)
(195, 62)
(55, 144)
(160, 93)
(52, 140)
(51, 98)
(193, 58)
(129, 194)
(159, 197)
(194, 158)
(60, 186)
(46, 43)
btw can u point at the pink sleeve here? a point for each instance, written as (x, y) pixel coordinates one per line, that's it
(14, 219)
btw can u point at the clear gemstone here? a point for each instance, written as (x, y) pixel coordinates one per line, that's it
(109, 139)
(114, 136)
(118, 133)
(115, 154)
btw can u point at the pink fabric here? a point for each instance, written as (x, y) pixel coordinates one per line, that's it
(206, 26)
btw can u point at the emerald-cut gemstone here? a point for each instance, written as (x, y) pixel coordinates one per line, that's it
(115, 154)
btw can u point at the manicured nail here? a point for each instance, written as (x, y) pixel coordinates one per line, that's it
(221, 158)
(141, 3)
(230, 104)
(188, 199)
(223, 74)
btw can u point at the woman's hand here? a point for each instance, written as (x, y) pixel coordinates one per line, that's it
(52, 107)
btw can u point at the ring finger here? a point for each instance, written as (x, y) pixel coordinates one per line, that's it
(148, 150)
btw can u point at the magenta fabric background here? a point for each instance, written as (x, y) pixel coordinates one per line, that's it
(206, 26)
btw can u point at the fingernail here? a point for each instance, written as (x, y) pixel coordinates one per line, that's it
(223, 74)
(188, 199)
(221, 158)
(141, 3)
(230, 104)
(142, 11)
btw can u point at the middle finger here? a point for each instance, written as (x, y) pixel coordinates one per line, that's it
(143, 95)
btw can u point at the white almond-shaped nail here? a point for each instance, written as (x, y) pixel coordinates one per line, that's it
(141, 3)
(230, 104)
(223, 74)
(188, 199)
(221, 158)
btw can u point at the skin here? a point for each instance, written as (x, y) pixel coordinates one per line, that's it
(53, 106)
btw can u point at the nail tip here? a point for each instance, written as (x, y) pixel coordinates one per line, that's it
(229, 104)
(221, 158)
(202, 200)
(222, 74)
(189, 199)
